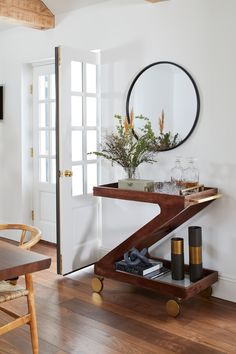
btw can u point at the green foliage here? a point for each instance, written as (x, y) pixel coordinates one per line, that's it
(129, 147)
(167, 141)
(128, 151)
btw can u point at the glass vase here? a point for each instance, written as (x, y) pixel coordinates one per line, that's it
(130, 172)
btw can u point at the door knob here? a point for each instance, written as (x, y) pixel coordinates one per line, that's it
(68, 173)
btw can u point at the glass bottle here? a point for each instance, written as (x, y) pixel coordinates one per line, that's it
(176, 173)
(190, 175)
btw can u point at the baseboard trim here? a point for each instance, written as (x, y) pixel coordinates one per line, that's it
(48, 243)
(224, 289)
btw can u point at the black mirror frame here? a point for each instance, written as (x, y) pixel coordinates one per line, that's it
(195, 88)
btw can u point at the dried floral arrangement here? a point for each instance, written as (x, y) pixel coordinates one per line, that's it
(166, 140)
(123, 148)
(130, 147)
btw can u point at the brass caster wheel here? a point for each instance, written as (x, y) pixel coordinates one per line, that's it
(172, 308)
(206, 293)
(97, 284)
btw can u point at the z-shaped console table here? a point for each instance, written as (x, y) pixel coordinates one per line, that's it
(175, 210)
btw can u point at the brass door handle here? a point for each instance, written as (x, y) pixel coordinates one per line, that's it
(68, 173)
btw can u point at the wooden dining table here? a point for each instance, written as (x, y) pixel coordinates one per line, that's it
(15, 261)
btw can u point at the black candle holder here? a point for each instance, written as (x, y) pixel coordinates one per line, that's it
(195, 253)
(177, 258)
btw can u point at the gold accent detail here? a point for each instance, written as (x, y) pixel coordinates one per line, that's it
(32, 215)
(177, 245)
(198, 187)
(195, 255)
(32, 152)
(31, 89)
(97, 299)
(204, 200)
(172, 308)
(68, 173)
(97, 284)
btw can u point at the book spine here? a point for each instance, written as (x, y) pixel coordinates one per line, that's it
(126, 269)
(152, 268)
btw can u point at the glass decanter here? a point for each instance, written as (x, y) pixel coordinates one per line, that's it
(176, 173)
(190, 175)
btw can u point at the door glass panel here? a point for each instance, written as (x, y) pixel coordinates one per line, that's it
(91, 111)
(91, 143)
(53, 171)
(76, 76)
(77, 180)
(76, 111)
(91, 78)
(76, 145)
(52, 87)
(43, 143)
(53, 143)
(43, 87)
(43, 168)
(43, 115)
(53, 114)
(91, 177)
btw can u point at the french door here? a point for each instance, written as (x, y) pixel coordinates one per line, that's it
(78, 127)
(44, 150)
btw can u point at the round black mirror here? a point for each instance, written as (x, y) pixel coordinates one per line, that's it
(167, 94)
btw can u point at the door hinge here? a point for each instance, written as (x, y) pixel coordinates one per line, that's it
(31, 152)
(31, 89)
(32, 215)
(60, 264)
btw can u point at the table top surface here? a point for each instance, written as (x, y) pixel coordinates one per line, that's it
(111, 190)
(15, 261)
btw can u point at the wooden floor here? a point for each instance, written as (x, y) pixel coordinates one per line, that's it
(124, 319)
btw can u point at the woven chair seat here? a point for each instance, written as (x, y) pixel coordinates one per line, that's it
(10, 292)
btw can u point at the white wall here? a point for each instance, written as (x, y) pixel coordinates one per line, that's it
(200, 36)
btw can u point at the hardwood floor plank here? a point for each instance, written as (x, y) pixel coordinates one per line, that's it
(122, 320)
(134, 328)
(102, 333)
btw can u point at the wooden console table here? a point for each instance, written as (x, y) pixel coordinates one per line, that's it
(175, 210)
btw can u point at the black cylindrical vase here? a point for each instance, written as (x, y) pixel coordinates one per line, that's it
(177, 258)
(195, 252)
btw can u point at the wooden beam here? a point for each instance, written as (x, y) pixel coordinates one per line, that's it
(153, 1)
(32, 13)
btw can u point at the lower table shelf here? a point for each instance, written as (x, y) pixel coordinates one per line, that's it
(175, 210)
(183, 289)
(177, 290)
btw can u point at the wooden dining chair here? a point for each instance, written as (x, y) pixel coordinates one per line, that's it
(28, 237)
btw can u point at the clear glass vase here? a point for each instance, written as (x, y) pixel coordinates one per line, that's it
(130, 172)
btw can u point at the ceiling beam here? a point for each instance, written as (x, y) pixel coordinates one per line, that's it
(153, 1)
(32, 13)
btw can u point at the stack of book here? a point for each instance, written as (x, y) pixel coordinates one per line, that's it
(151, 270)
